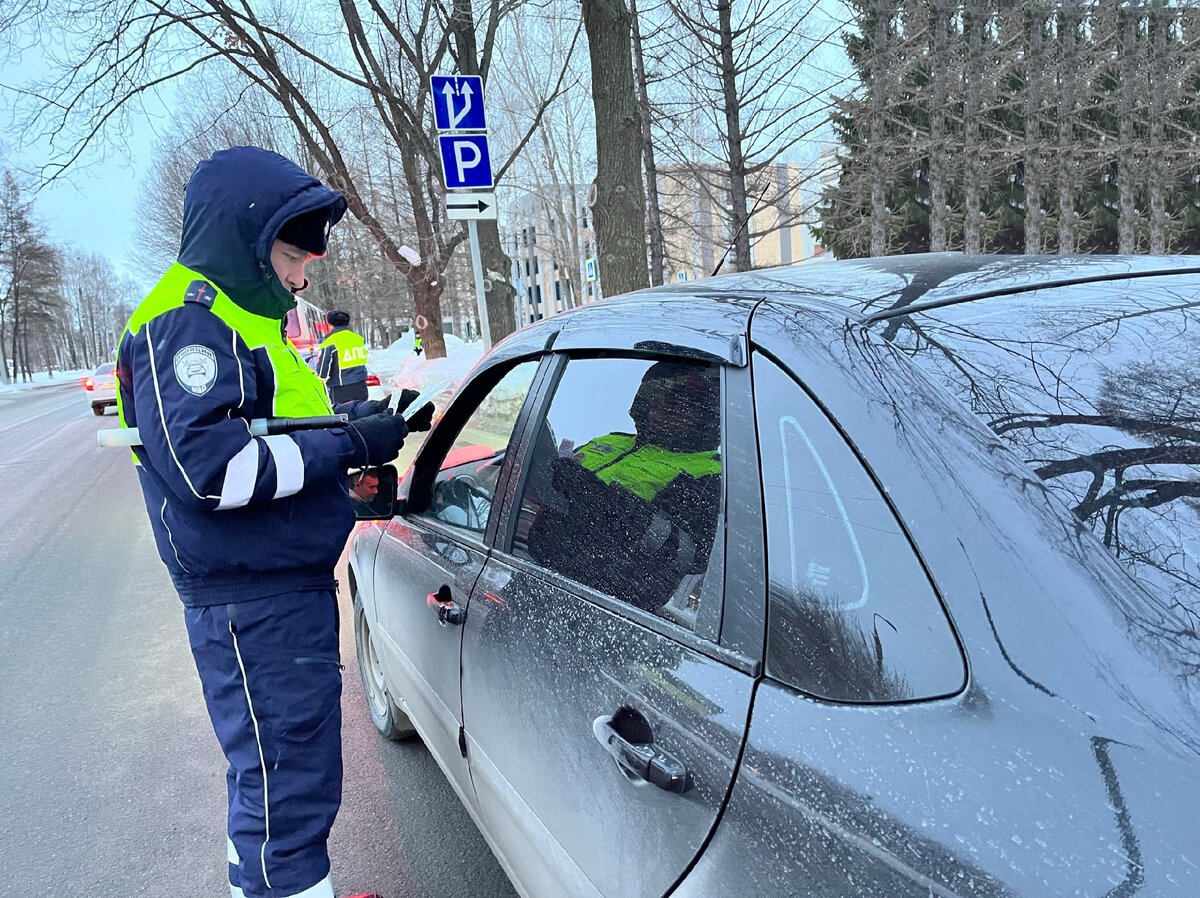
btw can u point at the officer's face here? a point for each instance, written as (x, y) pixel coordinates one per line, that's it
(288, 262)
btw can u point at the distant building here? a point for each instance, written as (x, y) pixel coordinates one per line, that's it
(698, 226)
(550, 238)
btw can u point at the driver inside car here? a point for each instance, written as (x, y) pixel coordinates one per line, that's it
(637, 511)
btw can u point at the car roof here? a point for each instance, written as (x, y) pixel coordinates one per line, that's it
(718, 309)
(879, 287)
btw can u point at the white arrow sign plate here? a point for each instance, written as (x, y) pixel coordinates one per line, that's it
(463, 206)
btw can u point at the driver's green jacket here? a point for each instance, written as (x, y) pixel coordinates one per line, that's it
(643, 470)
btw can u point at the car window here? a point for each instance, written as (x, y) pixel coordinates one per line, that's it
(853, 616)
(623, 486)
(466, 482)
(1096, 387)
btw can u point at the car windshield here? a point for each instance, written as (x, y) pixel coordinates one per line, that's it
(1097, 388)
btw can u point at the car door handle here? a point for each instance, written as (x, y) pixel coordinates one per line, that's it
(642, 760)
(449, 612)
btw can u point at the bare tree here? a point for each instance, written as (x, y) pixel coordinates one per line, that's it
(1069, 20)
(941, 73)
(1033, 70)
(882, 14)
(976, 14)
(654, 225)
(748, 97)
(30, 273)
(619, 205)
(1127, 155)
(382, 63)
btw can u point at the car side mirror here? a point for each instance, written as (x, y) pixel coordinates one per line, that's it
(372, 493)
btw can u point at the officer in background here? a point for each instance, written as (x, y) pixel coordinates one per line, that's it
(250, 528)
(343, 360)
(417, 343)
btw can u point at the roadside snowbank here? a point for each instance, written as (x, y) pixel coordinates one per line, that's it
(398, 369)
(42, 379)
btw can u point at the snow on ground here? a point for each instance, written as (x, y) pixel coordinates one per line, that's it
(42, 379)
(399, 369)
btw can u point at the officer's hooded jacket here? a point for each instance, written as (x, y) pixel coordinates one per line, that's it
(343, 358)
(235, 517)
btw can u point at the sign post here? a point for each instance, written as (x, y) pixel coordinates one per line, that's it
(466, 167)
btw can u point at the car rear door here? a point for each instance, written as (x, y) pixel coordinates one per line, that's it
(430, 557)
(603, 717)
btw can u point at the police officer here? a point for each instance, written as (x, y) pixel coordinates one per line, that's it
(343, 361)
(250, 528)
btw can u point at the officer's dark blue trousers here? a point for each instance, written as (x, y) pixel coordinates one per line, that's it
(272, 682)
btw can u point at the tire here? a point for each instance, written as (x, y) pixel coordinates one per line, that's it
(98, 410)
(391, 722)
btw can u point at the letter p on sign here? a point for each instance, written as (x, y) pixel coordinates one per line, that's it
(466, 162)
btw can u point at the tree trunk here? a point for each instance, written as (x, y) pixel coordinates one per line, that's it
(974, 21)
(1126, 156)
(878, 93)
(1158, 150)
(1068, 29)
(938, 66)
(16, 322)
(619, 209)
(653, 212)
(1035, 24)
(424, 280)
(733, 139)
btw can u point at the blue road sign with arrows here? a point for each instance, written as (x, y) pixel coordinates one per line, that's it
(458, 103)
(466, 162)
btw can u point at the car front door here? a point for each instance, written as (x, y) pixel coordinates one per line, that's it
(603, 720)
(430, 557)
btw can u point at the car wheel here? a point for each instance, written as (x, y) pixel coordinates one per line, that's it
(98, 410)
(388, 719)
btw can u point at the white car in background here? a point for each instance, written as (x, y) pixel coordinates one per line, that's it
(101, 388)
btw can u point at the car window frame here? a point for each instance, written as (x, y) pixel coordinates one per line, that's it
(709, 645)
(422, 475)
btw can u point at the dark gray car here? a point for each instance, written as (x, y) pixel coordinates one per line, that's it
(873, 578)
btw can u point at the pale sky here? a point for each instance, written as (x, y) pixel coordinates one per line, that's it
(93, 207)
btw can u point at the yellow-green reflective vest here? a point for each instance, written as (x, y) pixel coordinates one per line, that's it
(646, 470)
(297, 391)
(351, 349)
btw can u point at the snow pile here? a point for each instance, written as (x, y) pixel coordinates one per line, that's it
(399, 369)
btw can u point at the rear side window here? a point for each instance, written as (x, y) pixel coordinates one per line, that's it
(623, 490)
(853, 616)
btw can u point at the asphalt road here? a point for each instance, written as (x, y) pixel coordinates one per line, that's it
(111, 781)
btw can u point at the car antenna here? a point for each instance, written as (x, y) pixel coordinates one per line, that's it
(738, 232)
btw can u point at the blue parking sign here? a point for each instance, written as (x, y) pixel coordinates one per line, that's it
(466, 161)
(458, 103)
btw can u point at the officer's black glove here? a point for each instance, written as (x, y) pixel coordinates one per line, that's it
(422, 418)
(374, 407)
(365, 408)
(377, 439)
(405, 400)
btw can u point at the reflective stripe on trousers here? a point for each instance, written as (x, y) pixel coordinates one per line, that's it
(272, 683)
